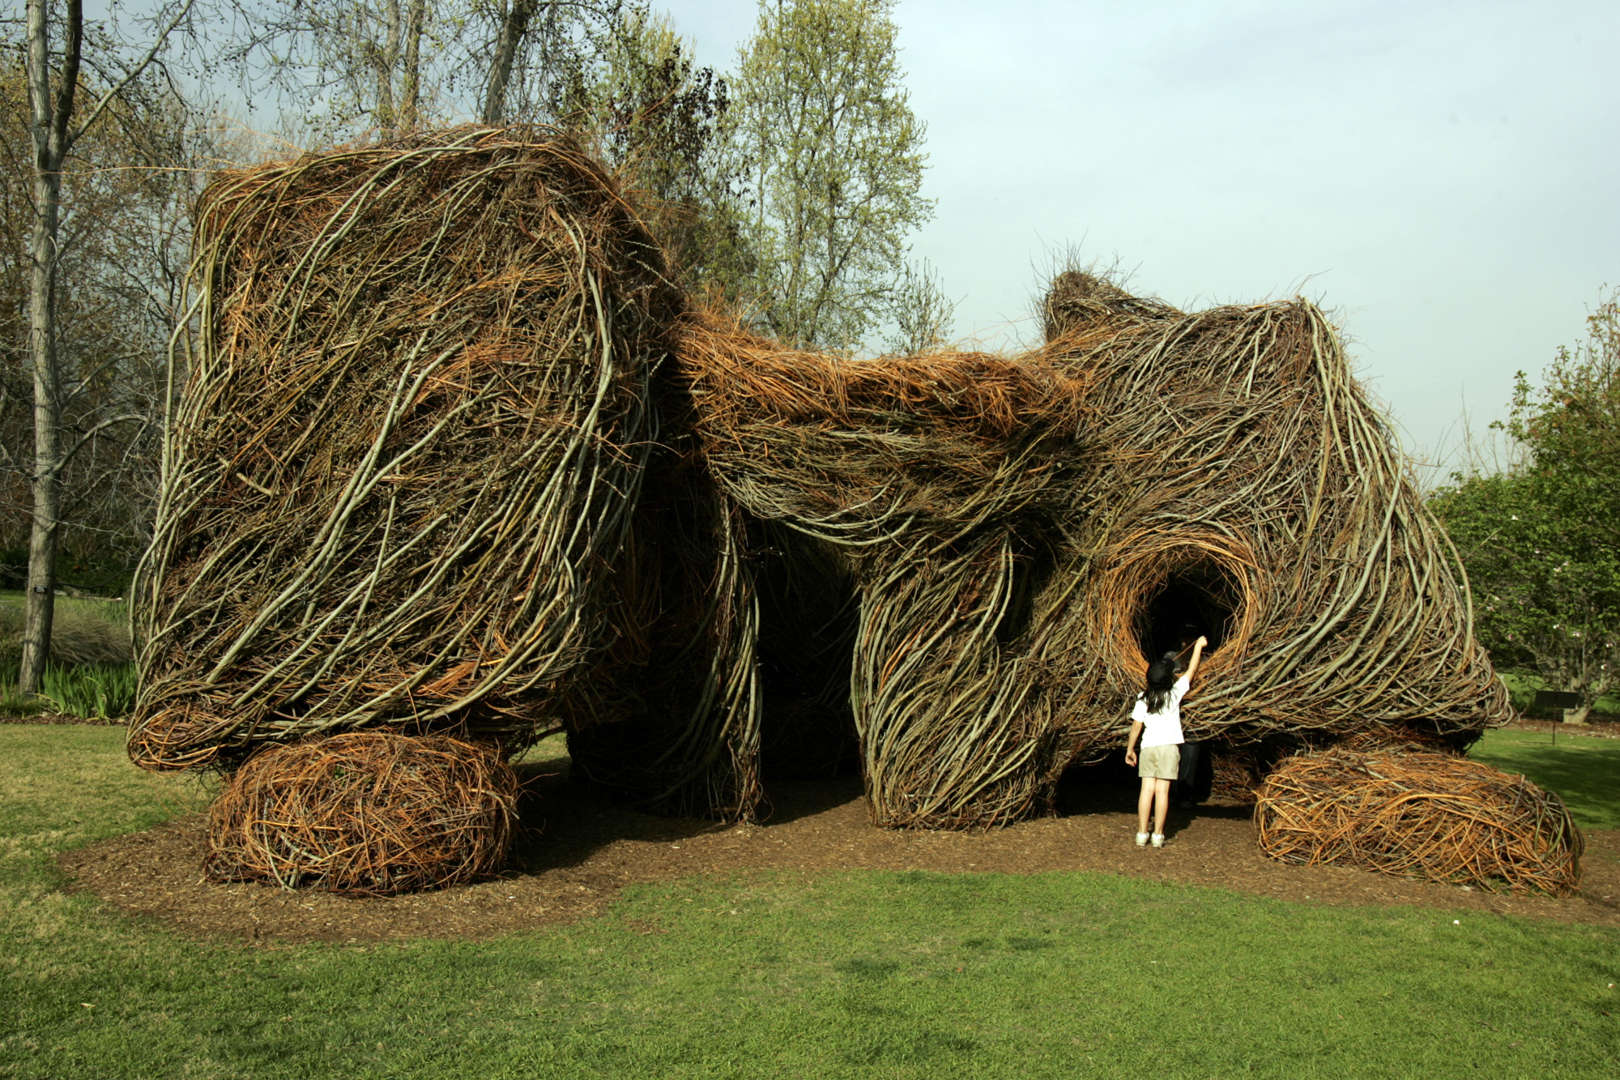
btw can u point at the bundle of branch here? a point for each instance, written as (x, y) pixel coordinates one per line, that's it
(418, 407)
(364, 813)
(1253, 494)
(964, 671)
(1236, 774)
(946, 483)
(1423, 814)
(880, 456)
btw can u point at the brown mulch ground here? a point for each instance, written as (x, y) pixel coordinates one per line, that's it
(56, 718)
(585, 850)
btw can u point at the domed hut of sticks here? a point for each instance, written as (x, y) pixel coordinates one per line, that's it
(453, 458)
(1019, 547)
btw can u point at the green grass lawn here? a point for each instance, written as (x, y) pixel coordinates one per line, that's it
(776, 974)
(1584, 771)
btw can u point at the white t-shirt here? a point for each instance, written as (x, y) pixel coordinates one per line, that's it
(1162, 728)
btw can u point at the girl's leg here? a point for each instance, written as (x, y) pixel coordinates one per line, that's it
(1144, 804)
(1161, 805)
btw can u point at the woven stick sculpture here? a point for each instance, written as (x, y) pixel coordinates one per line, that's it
(1420, 814)
(453, 455)
(936, 480)
(1251, 489)
(418, 413)
(1023, 535)
(364, 813)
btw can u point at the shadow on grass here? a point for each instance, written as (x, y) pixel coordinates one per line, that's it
(1582, 772)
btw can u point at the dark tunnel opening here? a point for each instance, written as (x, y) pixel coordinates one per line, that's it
(809, 614)
(1197, 598)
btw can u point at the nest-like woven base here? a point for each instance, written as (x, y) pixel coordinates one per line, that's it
(1422, 814)
(366, 813)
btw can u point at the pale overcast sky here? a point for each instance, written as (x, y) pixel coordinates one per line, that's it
(1442, 177)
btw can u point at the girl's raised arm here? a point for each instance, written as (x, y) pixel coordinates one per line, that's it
(1198, 651)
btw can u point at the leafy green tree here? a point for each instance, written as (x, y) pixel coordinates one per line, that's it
(1539, 538)
(822, 128)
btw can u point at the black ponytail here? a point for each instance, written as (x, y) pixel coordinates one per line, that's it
(1161, 679)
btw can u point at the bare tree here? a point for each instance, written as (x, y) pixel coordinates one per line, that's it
(54, 80)
(545, 40)
(379, 44)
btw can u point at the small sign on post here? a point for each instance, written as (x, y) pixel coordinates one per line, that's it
(1553, 703)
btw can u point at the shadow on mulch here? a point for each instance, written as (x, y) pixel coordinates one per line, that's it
(578, 850)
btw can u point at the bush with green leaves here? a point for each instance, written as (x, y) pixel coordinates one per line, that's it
(1541, 538)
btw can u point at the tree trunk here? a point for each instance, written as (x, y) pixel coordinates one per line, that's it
(513, 27)
(47, 474)
(1578, 715)
(410, 91)
(48, 121)
(383, 59)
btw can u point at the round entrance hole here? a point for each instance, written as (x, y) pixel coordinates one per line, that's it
(1195, 597)
(1166, 588)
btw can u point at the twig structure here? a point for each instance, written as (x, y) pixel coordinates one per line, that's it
(365, 813)
(1251, 492)
(1422, 814)
(1024, 535)
(935, 482)
(418, 413)
(452, 456)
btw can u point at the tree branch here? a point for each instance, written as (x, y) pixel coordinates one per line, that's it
(159, 40)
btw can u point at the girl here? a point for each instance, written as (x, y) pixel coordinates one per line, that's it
(1156, 719)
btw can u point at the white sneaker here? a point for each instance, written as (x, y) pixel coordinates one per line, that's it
(1141, 839)
(1158, 839)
